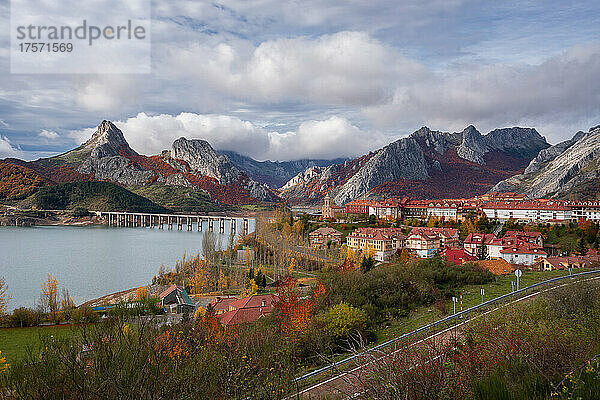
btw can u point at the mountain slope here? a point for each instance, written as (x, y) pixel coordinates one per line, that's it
(570, 167)
(275, 173)
(428, 163)
(192, 164)
(101, 196)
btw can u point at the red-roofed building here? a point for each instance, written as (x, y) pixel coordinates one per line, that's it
(248, 309)
(221, 304)
(522, 253)
(321, 236)
(358, 206)
(384, 242)
(527, 237)
(527, 211)
(457, 255)
(474, 241)
(448, 236)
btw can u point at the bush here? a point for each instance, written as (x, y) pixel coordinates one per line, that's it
(23, 316)
(84, 315)
(79, 212)
(343, 322)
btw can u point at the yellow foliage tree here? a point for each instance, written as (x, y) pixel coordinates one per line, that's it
(141, 293)
(251, 289)
(49, 296)
(3, 364)
(291, 267)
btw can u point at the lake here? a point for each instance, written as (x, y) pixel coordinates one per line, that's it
(91, 261)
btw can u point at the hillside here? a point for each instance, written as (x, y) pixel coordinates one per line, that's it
(568, 169)
(210, 180)
(427, 164)
(100, 196)
(18, 182)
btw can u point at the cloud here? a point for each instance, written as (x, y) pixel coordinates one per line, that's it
(329, 138)
(345, 68)
(563, 88)
(51, 135)
(8, 150)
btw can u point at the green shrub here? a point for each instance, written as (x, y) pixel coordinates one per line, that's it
(343, 321)
(79, 212)
(83, 315)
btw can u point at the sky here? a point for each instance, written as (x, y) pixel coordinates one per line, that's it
(285, 80)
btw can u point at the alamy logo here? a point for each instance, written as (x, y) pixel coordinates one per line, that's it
(112, 37)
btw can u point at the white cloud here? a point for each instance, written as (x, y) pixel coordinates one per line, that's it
(346, 68)
(8, 150)
(329, 138)
(51, 135)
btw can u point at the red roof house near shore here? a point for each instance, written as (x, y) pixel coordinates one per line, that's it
(248, 309)
(457, 255)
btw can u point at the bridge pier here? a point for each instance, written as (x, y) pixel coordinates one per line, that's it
(210, 225)
(245, 226)
(232, 227)
(221, 225)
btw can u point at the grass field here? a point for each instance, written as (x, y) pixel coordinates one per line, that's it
(471, 297)
(14, 342)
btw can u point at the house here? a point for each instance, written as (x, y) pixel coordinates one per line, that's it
(358, 206)
(385, 209)
(384, 242)
(584, 210)
(321, 236)
(221, 304)
(527, 211)
(423, 244)
(248, 309)
(522, 253)
(444, 210)
(550, 263)
(474, 241)
(175, 300)
(527, 237)
(448, 236)
(457, 255)
(496, 267)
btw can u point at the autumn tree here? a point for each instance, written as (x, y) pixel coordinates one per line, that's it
(49, 296)
(141, 293)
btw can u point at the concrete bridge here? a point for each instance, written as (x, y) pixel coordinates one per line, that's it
(178, 221)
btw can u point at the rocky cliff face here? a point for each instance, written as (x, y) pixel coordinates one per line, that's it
(204, 160)
(440, 158)
(560, 169)
(108, 157)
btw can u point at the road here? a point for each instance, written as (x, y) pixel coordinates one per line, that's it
(344, 383)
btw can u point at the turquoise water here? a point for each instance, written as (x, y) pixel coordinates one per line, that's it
(90, 261)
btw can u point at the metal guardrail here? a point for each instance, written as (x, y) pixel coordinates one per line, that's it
(450, 320)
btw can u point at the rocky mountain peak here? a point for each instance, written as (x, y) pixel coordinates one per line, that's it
(201, 157)
(109, 139)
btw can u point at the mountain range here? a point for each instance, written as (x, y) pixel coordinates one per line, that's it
(569, 169)
(426, 164)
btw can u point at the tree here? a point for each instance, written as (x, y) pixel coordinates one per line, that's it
(49, 296)
(367, 263)
(3, 297)
(66, 304)
(372, 219)
(582, 246)
(141, 293)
